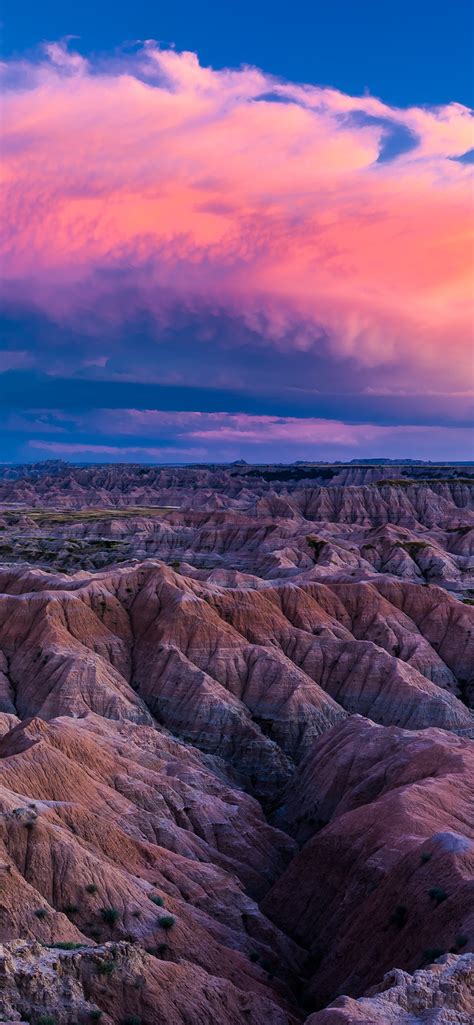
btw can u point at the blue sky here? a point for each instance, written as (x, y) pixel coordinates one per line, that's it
(322, 276)
(405, 51)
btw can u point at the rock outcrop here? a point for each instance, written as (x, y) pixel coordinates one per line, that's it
(117, 983)
(442, 994)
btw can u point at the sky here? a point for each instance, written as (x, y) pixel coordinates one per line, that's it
(236, 231)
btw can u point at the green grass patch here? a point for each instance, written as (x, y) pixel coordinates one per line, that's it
(437, 894)
(432, 954)
(167, 921)
(64, 945)
(157, 899)
(47, 516)
(106, 967)
(110, 915)
(413, 548)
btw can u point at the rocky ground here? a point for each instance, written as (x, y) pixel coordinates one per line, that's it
(236, 745)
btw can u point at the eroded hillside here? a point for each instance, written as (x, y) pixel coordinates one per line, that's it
(236, 752)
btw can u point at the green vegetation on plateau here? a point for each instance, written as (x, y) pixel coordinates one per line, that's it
(88, 515)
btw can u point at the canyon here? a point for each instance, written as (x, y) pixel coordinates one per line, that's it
(237, 744)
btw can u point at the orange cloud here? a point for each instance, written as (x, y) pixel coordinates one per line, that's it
(232, 190)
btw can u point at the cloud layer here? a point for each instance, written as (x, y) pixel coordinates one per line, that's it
(157, 436)
(277, 225)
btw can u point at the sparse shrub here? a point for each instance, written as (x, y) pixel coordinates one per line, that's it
(65, 945)
(399, 916)
(254, 957)
(461, 940)
(109, 915)
(41, 913)
(425, 857)
(91, 888)
(157, 899)
(71, 909)
(46, 1019)
(175, 564)
(167, 921)
(95, 1014)
(136, 913)
(106, 967)
(162, 948)
(437, 894)
(432, 954)
(132, 1019)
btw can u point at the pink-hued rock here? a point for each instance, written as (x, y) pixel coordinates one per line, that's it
(250, 675)
(389, 816)
(236, 779)
(99, 815)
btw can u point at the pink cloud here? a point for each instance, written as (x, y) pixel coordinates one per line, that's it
(198, 436)
(184, 181)
(311, 431)
(73, 450)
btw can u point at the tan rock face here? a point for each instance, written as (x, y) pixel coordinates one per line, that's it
(123, 983)
(442, 994)
(236, 765)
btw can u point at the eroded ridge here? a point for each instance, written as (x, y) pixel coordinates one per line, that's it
(236, 754)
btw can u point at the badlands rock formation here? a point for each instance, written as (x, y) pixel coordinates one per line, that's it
(388, 813)
(236, 745)
(439, 995)
(338, 522)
